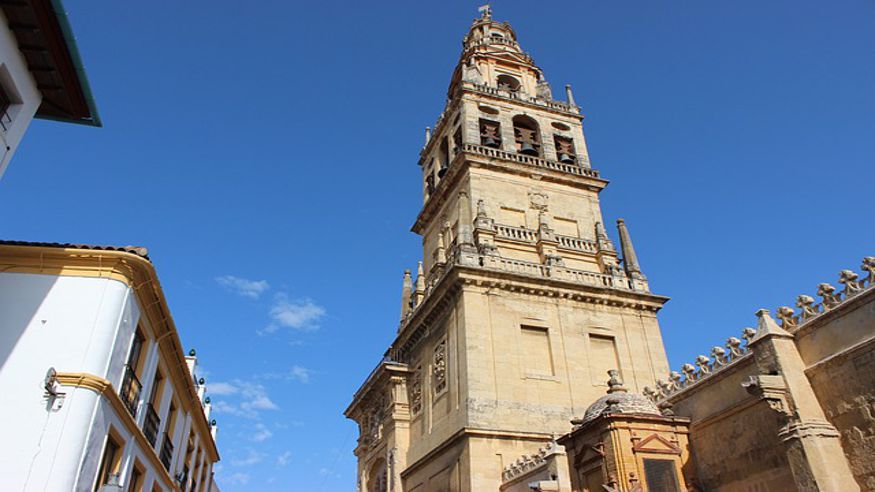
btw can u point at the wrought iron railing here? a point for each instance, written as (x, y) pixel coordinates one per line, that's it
(166, 453)
(130, 391)
(150, 425)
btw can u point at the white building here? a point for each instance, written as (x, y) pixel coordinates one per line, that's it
(96, 393)
(41, 74)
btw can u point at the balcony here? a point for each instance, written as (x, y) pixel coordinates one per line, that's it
(130, 391)
(494, 153)
(523, 98)
(150, 425)
(166, 453)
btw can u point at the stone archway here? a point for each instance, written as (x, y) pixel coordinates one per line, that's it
(378, 479)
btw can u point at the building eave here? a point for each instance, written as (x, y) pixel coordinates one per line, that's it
(45, 39)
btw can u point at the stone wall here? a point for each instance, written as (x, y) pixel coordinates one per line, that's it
(737, 431)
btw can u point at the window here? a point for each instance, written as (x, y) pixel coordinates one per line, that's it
(457, 141)
(592, 480)
(152, 421)
(508, 83)
(490, 133)
(443, 158)
(5, 104)
(131, 386)
(166, 453)
(135, 483)
(536, 353)
(110, 462)
(526, 135)
(564, 149)
(603, 357)
(660, 475)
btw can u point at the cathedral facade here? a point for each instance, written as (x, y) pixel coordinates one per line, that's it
(522, 306)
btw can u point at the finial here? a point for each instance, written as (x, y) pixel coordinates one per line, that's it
(767, 326)
(406, 291)
(420, 278)
(630, 259)
(481, 209)
(570, 95)
(427, 135)
(191, 353)
(615, 384)
(485, 12)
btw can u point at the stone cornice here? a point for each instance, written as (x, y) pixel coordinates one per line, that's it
(378, 377)
(467, 432)
(105, 389)
(137, 273)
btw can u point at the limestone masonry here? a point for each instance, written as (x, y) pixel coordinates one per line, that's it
(523, 317)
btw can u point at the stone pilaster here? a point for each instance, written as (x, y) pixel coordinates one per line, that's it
(811, 442)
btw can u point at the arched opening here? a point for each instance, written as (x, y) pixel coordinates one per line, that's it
(378, 481)
(526, 135)
(564, 149)
(490, 133)
(508, 83)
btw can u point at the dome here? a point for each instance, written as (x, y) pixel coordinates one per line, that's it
(618, 401)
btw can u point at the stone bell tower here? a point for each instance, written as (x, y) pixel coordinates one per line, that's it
(521, 303)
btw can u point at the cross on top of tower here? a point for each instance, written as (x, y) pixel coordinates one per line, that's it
(485, 11)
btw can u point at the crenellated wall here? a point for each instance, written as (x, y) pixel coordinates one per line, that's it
(743, 417)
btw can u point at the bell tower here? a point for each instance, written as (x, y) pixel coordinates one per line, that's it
(521, 303)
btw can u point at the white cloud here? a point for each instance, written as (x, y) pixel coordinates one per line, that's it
(243, 287)
(262, 433)
(301, 374)
(296, 373)
(253, 457)
(284, 459)
(222, 388)
(252, 397)
(299, 314)
(236, 479)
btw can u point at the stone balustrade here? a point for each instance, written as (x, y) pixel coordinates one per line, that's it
(830, 297)
(523, 234)
(577, 244)
(516, 233)
(494, 153)
(529, 462)
(486, 41)
(520, 97)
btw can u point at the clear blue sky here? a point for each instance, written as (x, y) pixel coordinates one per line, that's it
(277, 142)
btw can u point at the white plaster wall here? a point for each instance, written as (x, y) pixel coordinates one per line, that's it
(71, 324)
(19, 84)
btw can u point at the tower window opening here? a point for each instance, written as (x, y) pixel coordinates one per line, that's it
(508, 83)
(526, 135)
(443, 158)
(429, 185)
(490, 133)
(457, 140)
(564, 149)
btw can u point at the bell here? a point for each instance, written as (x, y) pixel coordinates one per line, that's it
(442, 171)
(566, 158)
(527, 148)
(490, 142)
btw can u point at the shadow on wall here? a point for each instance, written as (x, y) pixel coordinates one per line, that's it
(21, 296)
